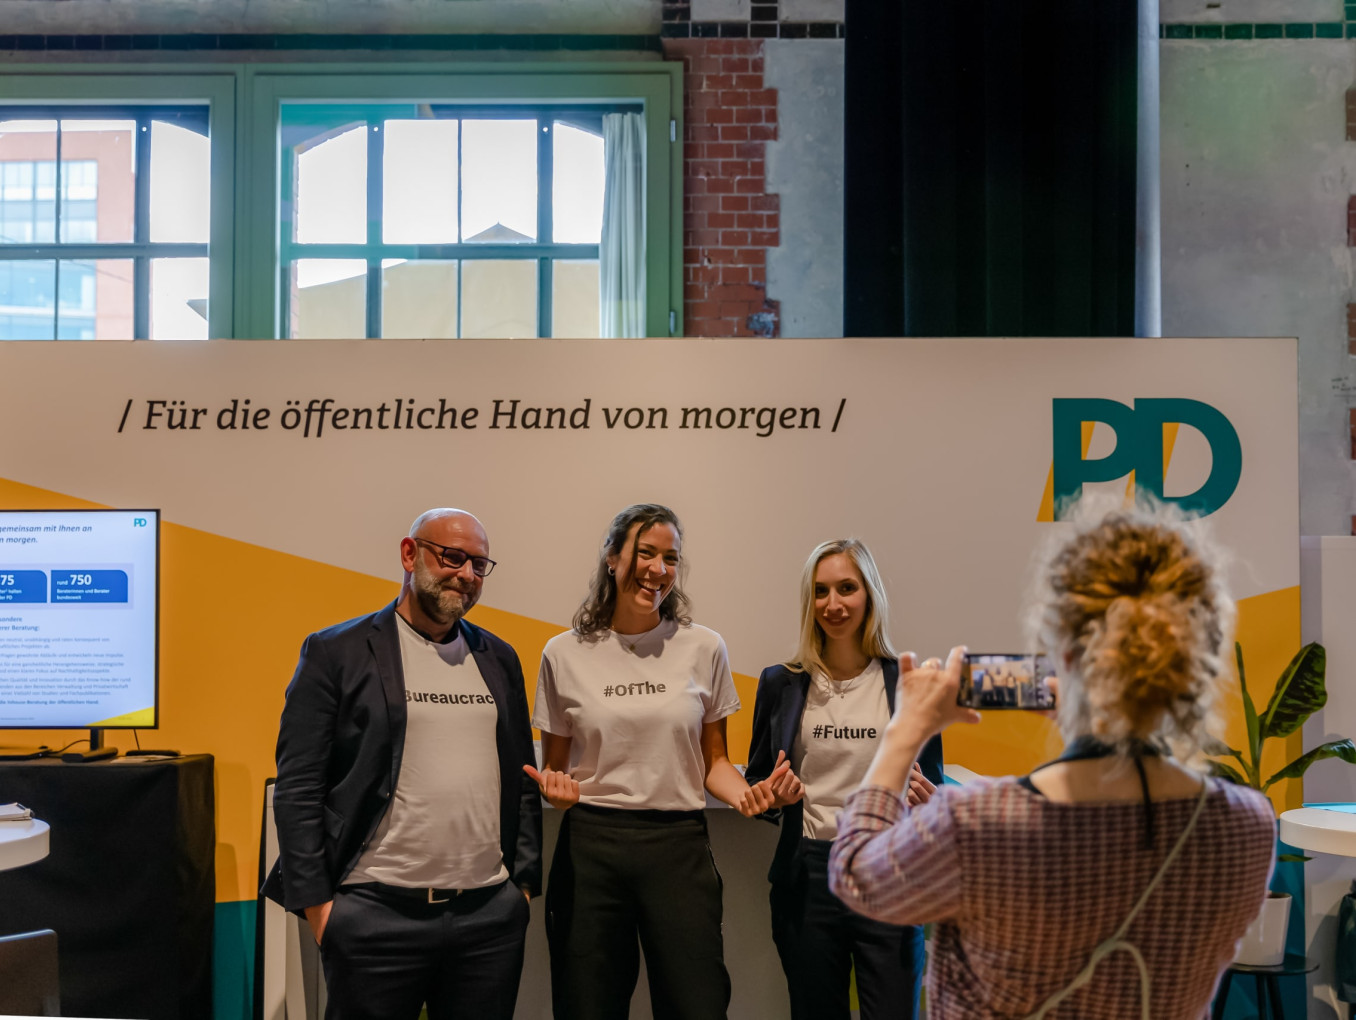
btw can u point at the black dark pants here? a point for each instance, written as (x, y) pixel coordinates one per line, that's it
(386, 955)
(620, 878)
(819, 940)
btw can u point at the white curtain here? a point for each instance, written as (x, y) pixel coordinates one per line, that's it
(621, 256)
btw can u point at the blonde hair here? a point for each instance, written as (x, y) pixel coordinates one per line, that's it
(875, 639)
(1134, 610)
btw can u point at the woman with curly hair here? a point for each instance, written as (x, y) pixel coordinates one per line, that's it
(1117, 880)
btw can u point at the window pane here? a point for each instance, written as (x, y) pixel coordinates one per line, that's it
(329, 299)
(574, 298)
(27, 300)
(95, 299)
(179, 299)
(418, 299)
(25, 146)
(577, 186)
(181, 172)
(331, 188)
(499, 298)
(499, 181)
(419, 182)
(98, 180)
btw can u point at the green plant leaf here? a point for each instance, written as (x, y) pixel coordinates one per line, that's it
(1223, 771)
(1343, 749)
(1292, 858)
(1300, 692)
(1254, 763)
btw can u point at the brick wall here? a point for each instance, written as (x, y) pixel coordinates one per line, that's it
(729, 219)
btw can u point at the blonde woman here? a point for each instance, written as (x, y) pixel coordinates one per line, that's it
(1114, 882)
(826, 710)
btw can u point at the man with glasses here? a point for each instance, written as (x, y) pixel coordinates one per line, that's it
(408, 833)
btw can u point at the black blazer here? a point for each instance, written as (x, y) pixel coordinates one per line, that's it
(339, 748)
(777, 711)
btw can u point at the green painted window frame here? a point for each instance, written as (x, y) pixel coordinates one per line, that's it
(67, 85)
(243, 101)
(657, 86)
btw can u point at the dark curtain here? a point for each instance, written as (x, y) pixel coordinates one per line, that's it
(989, 168)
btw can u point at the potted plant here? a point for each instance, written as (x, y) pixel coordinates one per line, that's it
(1300, 692)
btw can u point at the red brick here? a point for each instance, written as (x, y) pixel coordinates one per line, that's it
(734, 203)
(1351, 415)
(735, 168)
(735, 98)
(757, 168)
(750, 257)
(735, 309)
(768, 203)
(750, 81)
(756, 64)
(734, 238)
(695, 185)
(1351, 115)
(734, 132)
(750, 150)
(706, 203)
(767, 238)
(720, 186)
(722, 115)
(719, 150)
(725, 222)
(1353, 524)
(760, 96)
(759, 132)
(748, 186)
(1351, 309)
(719, 82)
(721, 256)
(702, 168)
(739, 275)
(749, 221)
(701, 133)
(748, 115)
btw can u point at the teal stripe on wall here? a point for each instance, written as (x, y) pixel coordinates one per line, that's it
(233, 961)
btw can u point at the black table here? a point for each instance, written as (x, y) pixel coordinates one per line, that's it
(129, 885)
(1267, 978)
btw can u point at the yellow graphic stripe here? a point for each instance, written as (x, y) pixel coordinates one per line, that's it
(141, 718)
(1046, 513)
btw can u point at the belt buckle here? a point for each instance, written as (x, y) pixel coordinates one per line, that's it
(446, 899)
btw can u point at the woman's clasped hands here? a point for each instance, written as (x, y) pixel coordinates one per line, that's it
(780, 789)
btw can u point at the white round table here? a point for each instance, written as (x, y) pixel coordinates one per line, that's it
(22, 843)
(1319, 830)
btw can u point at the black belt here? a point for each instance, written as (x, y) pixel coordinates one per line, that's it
(424, 894)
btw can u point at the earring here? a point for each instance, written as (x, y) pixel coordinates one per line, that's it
(611, 571)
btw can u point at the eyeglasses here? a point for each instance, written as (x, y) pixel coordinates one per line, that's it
(455, 559)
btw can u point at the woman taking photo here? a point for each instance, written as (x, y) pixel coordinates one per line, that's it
(1114, 882)
(826, 710)
(632, 705)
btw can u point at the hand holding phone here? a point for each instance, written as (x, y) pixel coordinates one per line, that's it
(1006, 681)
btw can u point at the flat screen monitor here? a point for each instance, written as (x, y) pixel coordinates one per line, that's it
(79, 619)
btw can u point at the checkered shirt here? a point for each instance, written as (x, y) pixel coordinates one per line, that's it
(1025, 888)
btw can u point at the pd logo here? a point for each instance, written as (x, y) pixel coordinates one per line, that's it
(138, 522)
(1144, 436)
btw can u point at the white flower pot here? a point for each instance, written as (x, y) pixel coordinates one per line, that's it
(1263, 944)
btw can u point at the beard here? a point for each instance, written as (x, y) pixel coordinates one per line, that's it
(446, 602)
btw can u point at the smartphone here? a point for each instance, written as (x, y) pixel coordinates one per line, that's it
(999, 680)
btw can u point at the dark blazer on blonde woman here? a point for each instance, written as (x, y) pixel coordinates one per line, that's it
(776, 720)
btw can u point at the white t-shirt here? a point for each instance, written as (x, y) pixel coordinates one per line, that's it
(633, 706)
(442, 827)
(839, 730)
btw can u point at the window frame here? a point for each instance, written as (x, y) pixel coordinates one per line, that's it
(29, 87)
(656, 86)
(544, 250)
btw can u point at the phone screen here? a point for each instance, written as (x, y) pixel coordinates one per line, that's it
(1001, 681)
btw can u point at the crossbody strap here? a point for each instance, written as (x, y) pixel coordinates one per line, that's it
(1117, 941)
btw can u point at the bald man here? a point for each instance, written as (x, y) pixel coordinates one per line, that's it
(409, 835)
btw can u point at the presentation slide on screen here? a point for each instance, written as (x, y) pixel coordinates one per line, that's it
(78, 617)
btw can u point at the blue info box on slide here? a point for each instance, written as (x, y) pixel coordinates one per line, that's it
(23, 586)
(89, 586)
